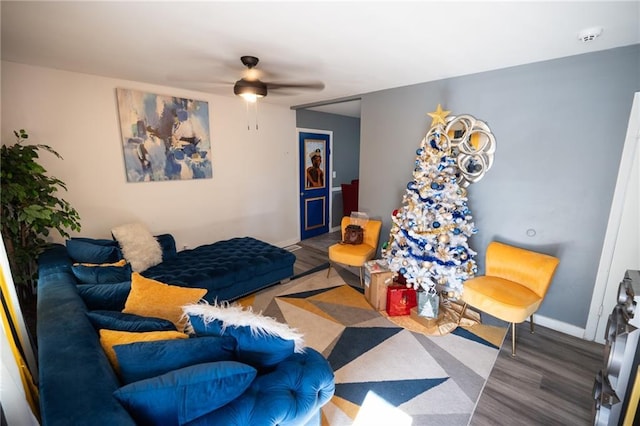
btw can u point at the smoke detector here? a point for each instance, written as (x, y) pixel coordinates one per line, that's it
(589, 34)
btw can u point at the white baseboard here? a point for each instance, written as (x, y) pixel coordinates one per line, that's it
(560, 326)
(286, 243)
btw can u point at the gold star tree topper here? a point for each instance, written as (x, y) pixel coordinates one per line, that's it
(438, 116)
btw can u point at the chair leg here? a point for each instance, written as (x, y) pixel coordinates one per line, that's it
(464, 309)
(531, 323)
(513, 339)
(360, 274)
(329, 270)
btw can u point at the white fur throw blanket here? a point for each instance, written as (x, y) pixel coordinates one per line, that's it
(235, 316)
(138, 245)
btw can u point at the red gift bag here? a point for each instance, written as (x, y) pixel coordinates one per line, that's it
(400, 300)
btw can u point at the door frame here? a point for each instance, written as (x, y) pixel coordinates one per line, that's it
(328, 175)
(607, 280)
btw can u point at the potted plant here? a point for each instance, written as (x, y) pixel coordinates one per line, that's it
(30, 209)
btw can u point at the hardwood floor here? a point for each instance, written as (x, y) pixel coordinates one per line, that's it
(549, 382)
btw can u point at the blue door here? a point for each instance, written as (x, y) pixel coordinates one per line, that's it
(314, 183)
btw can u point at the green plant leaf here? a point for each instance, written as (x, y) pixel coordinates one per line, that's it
(30, 206)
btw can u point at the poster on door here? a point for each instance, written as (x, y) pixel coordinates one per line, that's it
(315, 167)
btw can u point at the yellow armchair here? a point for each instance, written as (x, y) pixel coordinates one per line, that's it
(513, 287)
(356, 254)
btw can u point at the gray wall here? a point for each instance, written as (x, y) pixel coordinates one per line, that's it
(560, 127)
(346, 149)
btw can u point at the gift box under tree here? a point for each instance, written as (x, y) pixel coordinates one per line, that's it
(400, 300)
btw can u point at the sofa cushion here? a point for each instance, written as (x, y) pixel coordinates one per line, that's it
(111, 297)
(151, 298)
(110, 338)
(168, 246)
(76, 380)
(89, 250)
(138, 246)
(143, 360)
(102, 273)
(114, 320)
(262, 341)
(291, 394)
(183, 395)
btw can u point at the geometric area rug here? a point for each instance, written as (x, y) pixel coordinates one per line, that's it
(384, 373)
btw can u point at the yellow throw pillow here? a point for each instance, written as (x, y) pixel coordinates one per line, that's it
(111, 338)
(151, 298)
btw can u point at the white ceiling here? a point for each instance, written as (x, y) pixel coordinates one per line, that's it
(352, 47)
(350, 108)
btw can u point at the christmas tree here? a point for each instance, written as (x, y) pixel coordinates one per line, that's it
(428, 238)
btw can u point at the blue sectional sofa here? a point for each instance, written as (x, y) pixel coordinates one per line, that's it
(78, 384)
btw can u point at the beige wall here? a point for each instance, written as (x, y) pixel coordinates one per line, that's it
(255, 176)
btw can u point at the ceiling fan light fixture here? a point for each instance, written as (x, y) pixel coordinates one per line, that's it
(249, 97)
(250, 90)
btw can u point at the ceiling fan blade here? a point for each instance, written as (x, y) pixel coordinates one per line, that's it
(311, 85)
(185, 78)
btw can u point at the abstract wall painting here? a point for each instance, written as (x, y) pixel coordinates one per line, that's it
(164, 137)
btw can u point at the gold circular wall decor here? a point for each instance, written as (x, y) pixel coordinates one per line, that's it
(472, 144)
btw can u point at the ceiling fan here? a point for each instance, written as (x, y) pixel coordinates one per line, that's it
(251, 88)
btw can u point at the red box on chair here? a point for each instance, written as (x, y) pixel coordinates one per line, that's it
(400, 300)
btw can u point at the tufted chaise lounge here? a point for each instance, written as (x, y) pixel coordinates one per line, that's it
(229, 269)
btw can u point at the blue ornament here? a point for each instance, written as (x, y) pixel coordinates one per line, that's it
(433, 144)
(436, 224)
(456, 231)
(411, 185)
(403, 271)
(434, 185)
(419, 151)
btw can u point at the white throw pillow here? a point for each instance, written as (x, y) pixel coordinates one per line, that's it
(234, 315)
(141, 249)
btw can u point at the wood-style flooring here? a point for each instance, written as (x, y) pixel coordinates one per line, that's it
(549, 382)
